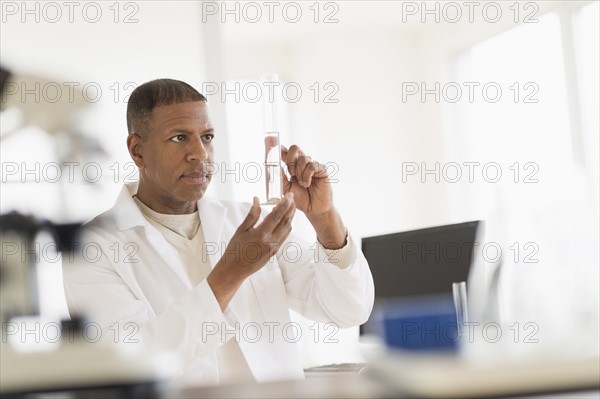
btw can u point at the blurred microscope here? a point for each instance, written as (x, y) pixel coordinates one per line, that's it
(72, 366)
(49, 117)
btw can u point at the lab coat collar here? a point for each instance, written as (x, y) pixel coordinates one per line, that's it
(127, 215)
(212, 214)
(212, 218)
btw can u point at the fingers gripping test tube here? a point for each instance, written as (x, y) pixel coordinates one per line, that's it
(274, 190)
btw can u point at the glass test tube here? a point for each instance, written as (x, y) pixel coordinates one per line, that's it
(274, 189)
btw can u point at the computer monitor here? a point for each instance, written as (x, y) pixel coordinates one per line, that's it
(420, 262)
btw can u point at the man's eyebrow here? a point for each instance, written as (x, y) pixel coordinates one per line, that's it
(187, 130)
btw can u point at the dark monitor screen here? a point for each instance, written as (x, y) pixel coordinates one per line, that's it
(420, 262)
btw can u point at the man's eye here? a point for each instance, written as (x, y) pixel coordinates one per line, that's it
(179, 138)
(208, 137)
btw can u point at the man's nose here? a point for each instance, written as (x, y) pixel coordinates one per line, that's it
(197, 151)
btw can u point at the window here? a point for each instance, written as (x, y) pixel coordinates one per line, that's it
(536, 130)
(517, 125)
(586, 34)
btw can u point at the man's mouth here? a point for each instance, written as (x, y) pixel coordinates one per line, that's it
(195, 177)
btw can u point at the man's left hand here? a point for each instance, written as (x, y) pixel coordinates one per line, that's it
(308, 181)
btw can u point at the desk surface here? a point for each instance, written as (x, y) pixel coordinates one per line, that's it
(331, 387)
(436, 377)
(343, 386)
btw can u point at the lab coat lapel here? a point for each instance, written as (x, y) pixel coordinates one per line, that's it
(217, 235)
(268, 291)
(167, 253)
(129, 216)
(212, 217)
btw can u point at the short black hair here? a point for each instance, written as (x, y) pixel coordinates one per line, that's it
(153, 94)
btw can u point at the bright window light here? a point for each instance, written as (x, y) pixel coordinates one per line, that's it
(542, 210)
(526, 131)
(586, 34)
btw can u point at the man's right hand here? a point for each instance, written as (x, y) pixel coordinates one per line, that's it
(250, 248)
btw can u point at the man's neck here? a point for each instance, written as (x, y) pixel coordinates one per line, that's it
(172, 209)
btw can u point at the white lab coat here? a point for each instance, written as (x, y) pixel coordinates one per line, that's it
(126, 272)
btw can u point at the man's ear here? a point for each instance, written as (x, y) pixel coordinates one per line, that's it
(134, 145)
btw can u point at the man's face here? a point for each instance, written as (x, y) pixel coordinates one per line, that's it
(174, 157)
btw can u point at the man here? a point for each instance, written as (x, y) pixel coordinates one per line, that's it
(208, 279)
